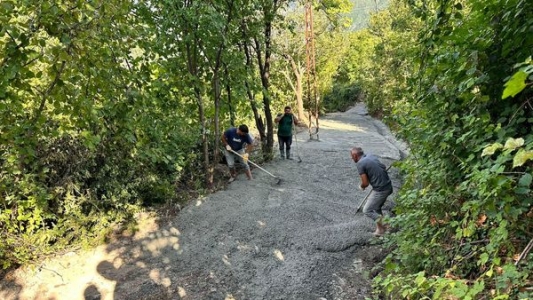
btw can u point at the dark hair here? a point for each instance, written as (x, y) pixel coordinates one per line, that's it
(287, 107)
(243, 128)
(359, 151)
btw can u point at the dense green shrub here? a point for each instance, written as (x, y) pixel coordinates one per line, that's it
(465, 211)
(341, 98)
(89, 132)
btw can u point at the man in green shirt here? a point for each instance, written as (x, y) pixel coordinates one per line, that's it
(285, 122)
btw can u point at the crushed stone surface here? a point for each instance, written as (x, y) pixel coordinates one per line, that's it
(299, 238)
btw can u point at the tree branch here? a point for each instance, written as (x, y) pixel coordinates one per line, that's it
(525, 252)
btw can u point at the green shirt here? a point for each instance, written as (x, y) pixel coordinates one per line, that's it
(285, 125)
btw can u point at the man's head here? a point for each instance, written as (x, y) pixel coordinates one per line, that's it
(357, 153)
(287, 109)
(242, 130)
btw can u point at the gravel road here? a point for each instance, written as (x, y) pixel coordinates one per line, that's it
(299, 239)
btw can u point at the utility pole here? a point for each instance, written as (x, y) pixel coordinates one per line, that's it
(311, 92)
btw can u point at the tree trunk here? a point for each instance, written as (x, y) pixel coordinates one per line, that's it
(205, 140)
(264, 71)
(228, 93)
(216, 88)
(216, 84)
(258, 120)
(257, 116)
(192, 66)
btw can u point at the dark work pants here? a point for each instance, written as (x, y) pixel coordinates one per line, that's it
(284, 142)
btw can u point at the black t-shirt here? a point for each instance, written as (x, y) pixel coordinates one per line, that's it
(236, 141)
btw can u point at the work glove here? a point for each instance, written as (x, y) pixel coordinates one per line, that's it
(245, 157)
(228, 147)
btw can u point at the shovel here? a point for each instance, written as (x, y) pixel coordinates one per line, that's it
(260, 168)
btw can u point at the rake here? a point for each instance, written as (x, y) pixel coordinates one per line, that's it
(260, 168)
(297, 149)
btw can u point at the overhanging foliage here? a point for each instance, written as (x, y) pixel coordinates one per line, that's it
(454, 79)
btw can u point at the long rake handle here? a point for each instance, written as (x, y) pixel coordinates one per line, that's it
(256, 165)
(364, 201)
(297, 149)
(294, 133)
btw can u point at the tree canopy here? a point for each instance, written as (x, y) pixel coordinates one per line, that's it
(110, 106)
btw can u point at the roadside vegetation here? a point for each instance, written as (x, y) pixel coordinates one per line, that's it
(109, 107)
(453, 79)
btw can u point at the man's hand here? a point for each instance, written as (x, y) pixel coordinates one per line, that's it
(361, 188)
(245, 157)
(228, 147)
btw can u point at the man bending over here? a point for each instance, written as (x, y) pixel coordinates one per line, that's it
(234, 140)
(373, 173)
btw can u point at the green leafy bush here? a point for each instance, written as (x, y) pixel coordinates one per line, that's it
(465, 211)
(341, 98)
(89, 131)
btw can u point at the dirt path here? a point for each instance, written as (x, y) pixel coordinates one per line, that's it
(300, 239)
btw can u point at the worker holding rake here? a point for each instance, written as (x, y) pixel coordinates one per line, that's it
(373, 173)
(234, 140)
(285, 121)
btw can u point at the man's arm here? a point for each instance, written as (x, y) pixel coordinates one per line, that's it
(295, 120)
(225, 142)
(250, 144)
(364, 181)
(278, 118)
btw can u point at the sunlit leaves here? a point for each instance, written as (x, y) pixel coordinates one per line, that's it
(518, 82)
(512, 144)
(515, 85)
(491, 149)
(521, 157)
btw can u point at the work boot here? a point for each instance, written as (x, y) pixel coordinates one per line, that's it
(282, 154)
(289, 154)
